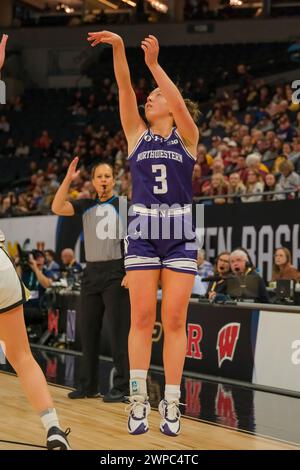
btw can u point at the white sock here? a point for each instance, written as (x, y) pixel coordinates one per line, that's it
(138, 384)
(49, 418)
(172, 393)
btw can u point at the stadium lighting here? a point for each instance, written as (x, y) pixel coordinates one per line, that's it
(108, 4)
(129, 2)
(69, 10)
(159, 6)
(236, 3)
(65, 8)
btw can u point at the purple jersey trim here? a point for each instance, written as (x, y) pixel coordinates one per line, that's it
(137, 144)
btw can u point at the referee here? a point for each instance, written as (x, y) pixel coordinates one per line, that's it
(104, 287)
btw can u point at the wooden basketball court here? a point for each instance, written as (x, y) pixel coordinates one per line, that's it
(96, 425)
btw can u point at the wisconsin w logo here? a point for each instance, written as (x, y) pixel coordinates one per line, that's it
(225, 407)
(227, 340)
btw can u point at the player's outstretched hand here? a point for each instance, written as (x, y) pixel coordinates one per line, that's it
(150, 46)
(104, 37)
(72, 173)
(2, 49)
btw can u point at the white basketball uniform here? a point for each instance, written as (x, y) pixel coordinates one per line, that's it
(12, 290)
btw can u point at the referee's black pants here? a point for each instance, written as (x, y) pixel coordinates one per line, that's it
(102, 294)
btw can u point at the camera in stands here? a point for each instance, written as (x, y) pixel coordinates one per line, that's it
(24, 257)
(285, 291)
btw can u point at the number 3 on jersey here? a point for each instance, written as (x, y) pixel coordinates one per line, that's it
(161, 171)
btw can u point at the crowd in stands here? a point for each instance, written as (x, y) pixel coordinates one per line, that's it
(41, 270)
(44, 269)
(233, 270)
(249, 148)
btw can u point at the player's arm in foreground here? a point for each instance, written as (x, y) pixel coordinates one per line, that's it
(2, 49)
(132, 123)
(185, 124)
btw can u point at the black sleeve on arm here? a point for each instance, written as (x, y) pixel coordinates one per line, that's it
(81, 205)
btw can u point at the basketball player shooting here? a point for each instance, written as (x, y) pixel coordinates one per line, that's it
(162, 154)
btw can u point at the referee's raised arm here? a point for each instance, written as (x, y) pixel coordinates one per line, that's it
(60, 204)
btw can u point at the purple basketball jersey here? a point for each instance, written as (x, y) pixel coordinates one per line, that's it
(161, 170)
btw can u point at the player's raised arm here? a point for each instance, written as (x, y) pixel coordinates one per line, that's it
(2, 49)
(132, 123)
(182, 117)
